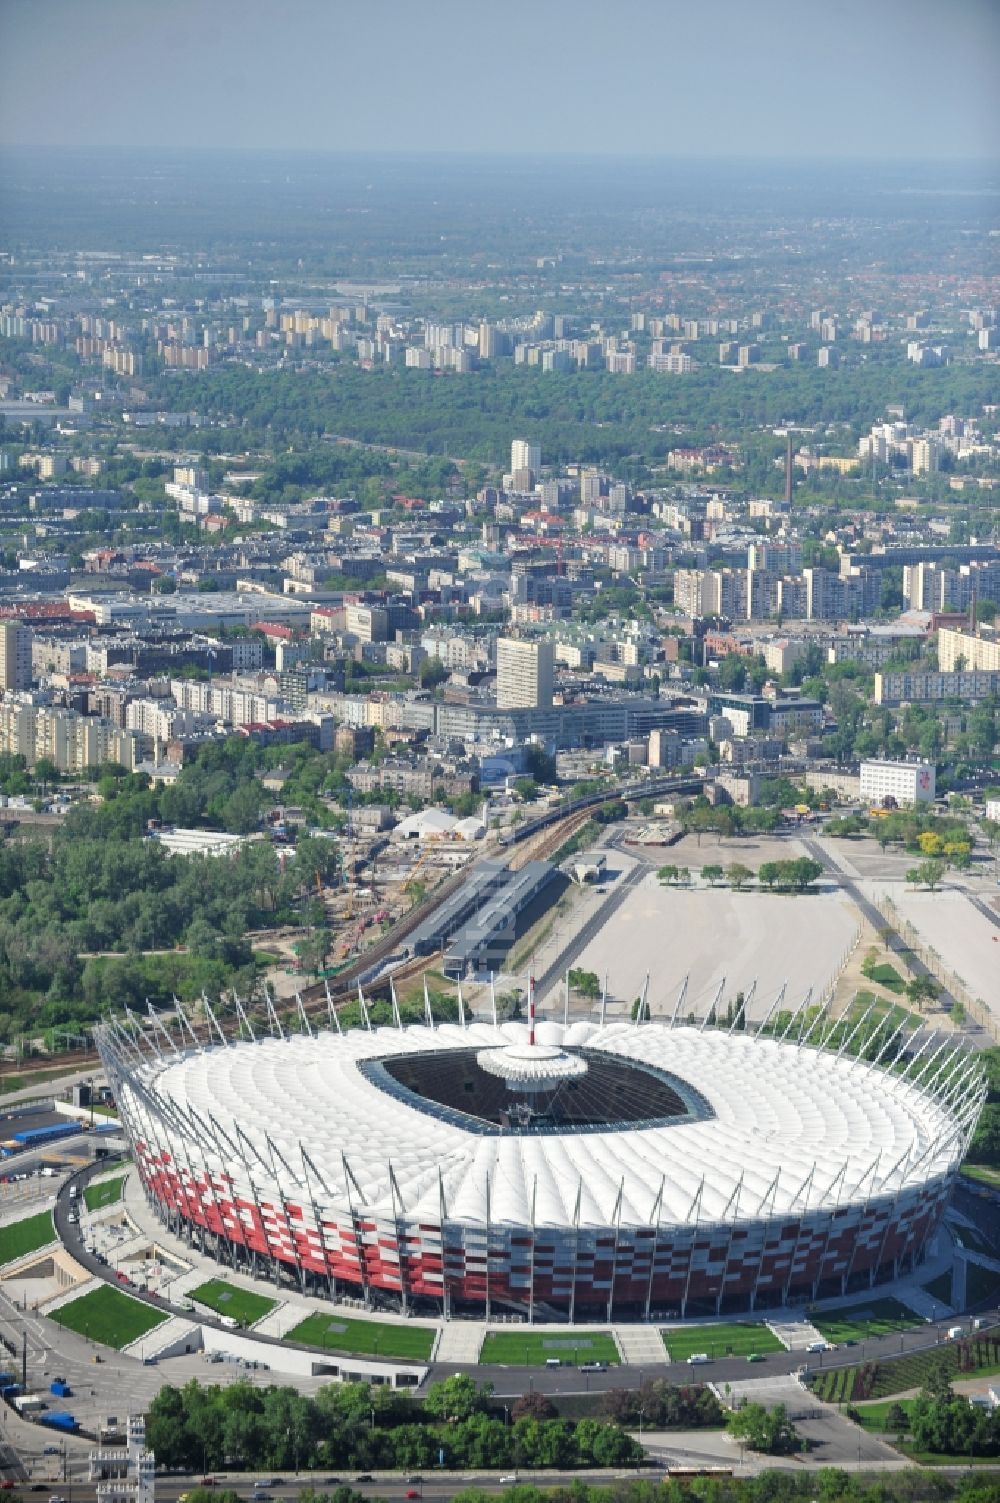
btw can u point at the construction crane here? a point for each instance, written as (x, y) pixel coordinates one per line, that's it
(421, 863)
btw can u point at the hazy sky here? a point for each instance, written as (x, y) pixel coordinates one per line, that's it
(867, 78)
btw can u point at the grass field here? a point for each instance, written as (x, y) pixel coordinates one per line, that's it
(108, 1193)
(534, 1348)
(879, 1318)
(982, 1174)
(886, 975)
(23, 1237)
(720, 1341)
(336, 1333)
(227, 1299)
(9, 1083)
(872, 1416)
(107, 1316)
(835, 1385)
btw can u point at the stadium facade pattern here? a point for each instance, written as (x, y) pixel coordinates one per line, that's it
(691, 1170)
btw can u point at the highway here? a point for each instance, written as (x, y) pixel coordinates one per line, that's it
(392, 1485)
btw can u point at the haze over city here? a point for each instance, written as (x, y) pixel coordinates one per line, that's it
(898, 78)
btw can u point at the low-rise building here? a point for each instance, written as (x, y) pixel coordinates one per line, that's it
(906, 783)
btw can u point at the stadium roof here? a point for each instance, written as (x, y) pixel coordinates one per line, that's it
(787, 1129)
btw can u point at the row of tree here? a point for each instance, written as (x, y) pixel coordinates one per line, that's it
(353, 1425)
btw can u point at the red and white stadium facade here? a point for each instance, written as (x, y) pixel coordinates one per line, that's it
(798, 1173)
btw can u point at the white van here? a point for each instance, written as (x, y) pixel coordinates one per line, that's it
(696, 1357)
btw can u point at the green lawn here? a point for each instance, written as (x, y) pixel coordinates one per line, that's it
(872, 1416)
(228, 1299)
(886, 975)
(880, 1317)
(336, 1333)
(107, 1316)
(23, 1237)
(897, 1374)
(96, 1197)
(835, 1385)
(10, 1083)
(528, 1348)
(720, 1341)
(982, 1174)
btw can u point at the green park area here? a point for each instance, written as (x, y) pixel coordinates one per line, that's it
(859, 1322)
(873, 1417)
(227, 1299)
(528, 1348)
(22, 1237)
(107, 1316)
(370, 1338)
(977, 1357)
(737, 1340)
(107, 1193)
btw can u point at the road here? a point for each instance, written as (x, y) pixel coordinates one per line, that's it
(392, 1485)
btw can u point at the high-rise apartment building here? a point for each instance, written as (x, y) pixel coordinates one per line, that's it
(15, 656)
(524, 455)
(524, 674)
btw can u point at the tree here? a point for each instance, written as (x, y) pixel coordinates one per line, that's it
(712, 874)
(532, 1406)
(896, 1420)
(455, 1398)
(668, 874)
(762, 1429)
(921, 989)
(738, 876)
(927, 874)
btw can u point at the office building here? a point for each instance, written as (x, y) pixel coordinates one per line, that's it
(524, 674)
(906, 783)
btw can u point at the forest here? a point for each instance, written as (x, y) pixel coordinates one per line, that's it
(99, 887)
(593, 417)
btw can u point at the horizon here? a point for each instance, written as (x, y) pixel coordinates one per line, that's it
(905, 80)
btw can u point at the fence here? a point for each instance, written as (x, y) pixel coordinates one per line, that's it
(974, 1007)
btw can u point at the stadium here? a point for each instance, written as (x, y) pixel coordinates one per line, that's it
(577, 1170)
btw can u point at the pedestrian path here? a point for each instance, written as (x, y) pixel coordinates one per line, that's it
(640, 1346)
(461, 1341)
(796, 1335)
(922, 1303)
(67, 1296)
(174, 1335)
